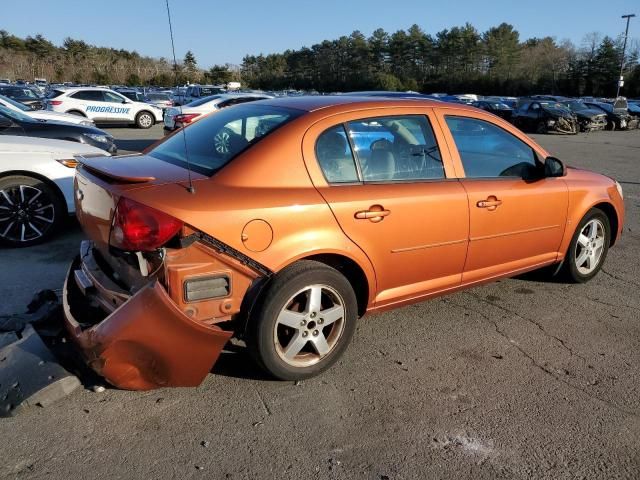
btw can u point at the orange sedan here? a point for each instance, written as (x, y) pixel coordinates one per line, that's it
(282, 221)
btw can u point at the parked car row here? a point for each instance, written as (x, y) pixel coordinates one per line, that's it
(563, 115)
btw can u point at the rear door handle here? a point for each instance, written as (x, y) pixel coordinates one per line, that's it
(490, 203)
(376, 213)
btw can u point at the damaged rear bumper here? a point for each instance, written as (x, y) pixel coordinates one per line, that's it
(145, 342)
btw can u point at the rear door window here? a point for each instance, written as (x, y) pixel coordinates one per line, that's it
(88, 95)
(335, 156)
(399, 148)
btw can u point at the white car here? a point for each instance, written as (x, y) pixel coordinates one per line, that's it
(103, 105)
(36, 186)
(178, 117)
(45, 114)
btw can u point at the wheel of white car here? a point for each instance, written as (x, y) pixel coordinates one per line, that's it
(588, 248)
(30, 211)
(304, 322)
(144, 120)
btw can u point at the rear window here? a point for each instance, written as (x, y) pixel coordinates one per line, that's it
(209, 91)
(54, 93)
(215, 140)
(158, 96)
(202, 101)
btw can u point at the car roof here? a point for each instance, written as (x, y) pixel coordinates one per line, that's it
(311, 103)
(75, 89)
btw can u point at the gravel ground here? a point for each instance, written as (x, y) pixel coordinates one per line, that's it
(517, 379)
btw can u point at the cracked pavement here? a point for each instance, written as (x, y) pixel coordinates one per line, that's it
(521, 378)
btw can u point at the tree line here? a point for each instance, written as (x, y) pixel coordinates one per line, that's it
(456, 60)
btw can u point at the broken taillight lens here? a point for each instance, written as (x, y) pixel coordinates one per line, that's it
(137, 227)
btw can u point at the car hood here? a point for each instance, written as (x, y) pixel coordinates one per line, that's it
(556, 112)
(66, 128)
(50, 116)
(19, 144)
(590, 113)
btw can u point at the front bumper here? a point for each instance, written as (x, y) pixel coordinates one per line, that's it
(145, 341)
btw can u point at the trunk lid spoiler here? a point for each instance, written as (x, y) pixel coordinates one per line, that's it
(120, 169)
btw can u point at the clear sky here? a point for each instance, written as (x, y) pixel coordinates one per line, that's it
(224, 31)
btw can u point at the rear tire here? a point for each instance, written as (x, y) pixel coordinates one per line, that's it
(30, 211)
(304, 322)
(588, 248)
(76, 113)
(541, 128)
(145, 120)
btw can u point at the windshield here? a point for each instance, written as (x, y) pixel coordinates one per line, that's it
(14, 115)
(215, 140)
(554, 106)
(576, 106)
(19, 105)
(209, 90)
(498, 105)
(605, 106)
(158, 96)
(202, 101)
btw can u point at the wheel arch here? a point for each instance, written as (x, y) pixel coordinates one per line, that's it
(612, 215)
(144, 110)
(351, 270)
(75, 111)
(47, 181)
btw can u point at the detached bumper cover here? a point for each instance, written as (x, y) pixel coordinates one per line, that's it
(145, 343)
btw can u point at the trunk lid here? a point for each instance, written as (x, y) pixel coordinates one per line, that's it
(100, 184)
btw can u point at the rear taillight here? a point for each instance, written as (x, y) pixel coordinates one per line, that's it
(55, 102)
(137, 227)
(186, 117)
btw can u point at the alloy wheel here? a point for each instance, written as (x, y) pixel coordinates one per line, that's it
(590, 246)
(309, 326)
(145, 120)
(26, 213)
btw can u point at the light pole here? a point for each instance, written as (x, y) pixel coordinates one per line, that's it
(624, 48)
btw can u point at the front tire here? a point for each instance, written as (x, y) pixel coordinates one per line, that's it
(30, 211)
(145, 120)
(588, 248)
(304, 322)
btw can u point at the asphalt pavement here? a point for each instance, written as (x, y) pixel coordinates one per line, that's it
(521, 378)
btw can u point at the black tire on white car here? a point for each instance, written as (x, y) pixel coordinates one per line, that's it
(145, 120)
(30, 211)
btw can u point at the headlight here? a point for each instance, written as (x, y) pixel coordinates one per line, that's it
(551, 123)
(619, 187)
(99, 137)
(87, 123)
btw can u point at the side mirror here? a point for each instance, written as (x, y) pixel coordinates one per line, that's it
(553, 167)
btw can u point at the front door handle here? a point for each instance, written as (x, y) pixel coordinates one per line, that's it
(376, 213)
(491, 203)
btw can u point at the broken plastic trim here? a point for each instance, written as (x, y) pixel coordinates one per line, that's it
(232, 252)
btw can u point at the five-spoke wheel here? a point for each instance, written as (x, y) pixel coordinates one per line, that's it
(304, 322)
(309, 325)
(588, 247)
